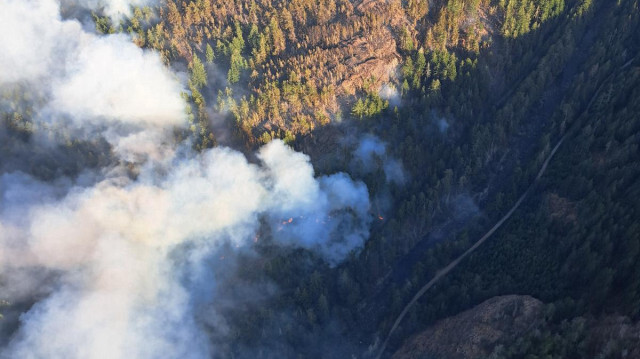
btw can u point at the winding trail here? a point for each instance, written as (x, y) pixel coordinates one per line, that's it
(444, 271)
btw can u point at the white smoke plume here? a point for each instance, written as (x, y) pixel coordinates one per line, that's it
(118, 289)
(371, 153)
(391, 94)
(115, 9)
(104, 255)
(89, 79)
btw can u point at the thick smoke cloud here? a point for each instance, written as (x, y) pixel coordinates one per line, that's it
(105, 80)
(112, 243)
(89, 79)
(111, 259)
(311, 211)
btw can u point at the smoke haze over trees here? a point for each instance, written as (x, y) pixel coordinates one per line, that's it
(112, 249)
(259, 179)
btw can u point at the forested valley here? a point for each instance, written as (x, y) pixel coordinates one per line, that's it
(442, 112)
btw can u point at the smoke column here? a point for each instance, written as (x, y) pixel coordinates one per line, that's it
(104, 255)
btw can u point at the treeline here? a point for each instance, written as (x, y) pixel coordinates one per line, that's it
(295, 65)
(289, 55)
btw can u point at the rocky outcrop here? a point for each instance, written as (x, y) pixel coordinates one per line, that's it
(370, 57)
(474, 333)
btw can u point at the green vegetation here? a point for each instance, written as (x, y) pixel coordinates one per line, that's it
(507, 102)
(372, 105)
(509, 77)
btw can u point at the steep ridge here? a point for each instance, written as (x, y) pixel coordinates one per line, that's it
(473, 334)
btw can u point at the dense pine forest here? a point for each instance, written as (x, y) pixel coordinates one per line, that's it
(446, 110)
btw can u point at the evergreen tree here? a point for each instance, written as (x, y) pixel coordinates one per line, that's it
(209, 54)
(198, 73)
